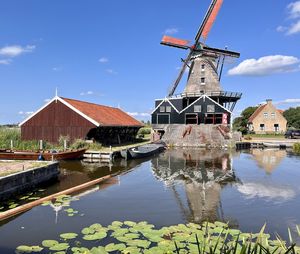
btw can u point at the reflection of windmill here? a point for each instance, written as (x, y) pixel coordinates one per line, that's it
(202, 173)
(201, 56)
(56, 209)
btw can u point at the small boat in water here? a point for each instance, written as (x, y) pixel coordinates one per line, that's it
(142, 151)
(44, 155)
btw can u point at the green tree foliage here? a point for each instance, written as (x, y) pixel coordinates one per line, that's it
(292, 116)
(240, 123)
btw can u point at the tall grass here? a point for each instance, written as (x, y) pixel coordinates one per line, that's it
(296, 148)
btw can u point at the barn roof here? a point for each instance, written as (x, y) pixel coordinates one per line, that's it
(256, 113)
(99, 115)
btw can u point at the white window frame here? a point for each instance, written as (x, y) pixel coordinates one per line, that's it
(209, 111)
(168, 109)
(197, 111)
(162, 109)
(203, 82)
(266, 115)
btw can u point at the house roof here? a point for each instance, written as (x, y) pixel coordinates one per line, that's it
(259, 110)
(99, 115)
(256, 113)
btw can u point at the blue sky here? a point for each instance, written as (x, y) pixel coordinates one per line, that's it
(109, 52)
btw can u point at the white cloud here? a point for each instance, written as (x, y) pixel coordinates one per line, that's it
(5, 61)
(57, 69)
(25, 113)
(287, 101)
(294, 9)
(266, 65)
(293, 13)
(266, 191)
(294, 28)
(172, 30)
(138, 114)
(87, 93)
(111, 71)
(103, 60)
(16, 50)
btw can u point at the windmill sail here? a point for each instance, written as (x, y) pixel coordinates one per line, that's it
(210, 21)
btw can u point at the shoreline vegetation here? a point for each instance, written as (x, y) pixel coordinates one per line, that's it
(10, 137)
(130, 237)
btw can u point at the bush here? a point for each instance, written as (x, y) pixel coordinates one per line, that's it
(144, 131)
(296, 148)
(79, 144)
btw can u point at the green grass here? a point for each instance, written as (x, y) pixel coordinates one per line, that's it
(253, 136)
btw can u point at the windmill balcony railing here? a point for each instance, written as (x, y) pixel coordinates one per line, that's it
(210, 94)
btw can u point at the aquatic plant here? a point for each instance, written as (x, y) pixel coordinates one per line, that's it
(141, 237)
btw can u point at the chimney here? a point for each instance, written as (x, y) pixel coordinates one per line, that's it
(269, 101)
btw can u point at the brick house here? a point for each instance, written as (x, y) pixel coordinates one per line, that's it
(267, 119)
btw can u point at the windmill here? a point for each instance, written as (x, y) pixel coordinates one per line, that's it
(205, 63)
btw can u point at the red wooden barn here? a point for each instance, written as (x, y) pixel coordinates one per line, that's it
(78, 119)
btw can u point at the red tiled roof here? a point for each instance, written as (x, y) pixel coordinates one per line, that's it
(104, 115)
(256, 112)
(280, 111)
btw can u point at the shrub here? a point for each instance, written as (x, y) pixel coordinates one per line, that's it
(144, 131)
(79, 144)
(296, 148)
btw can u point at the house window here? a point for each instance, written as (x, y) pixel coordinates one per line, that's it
(210, 108)
(273, 115)
(197, 108)
(276, 127)
(162, 109)
(168, 109)
(202, 81)
(262, 127)
(203, 67)
(265, 115)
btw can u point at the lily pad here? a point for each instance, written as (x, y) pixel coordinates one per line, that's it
(49, 243)
(29, 249)
(98, 250)
(60, 247)
(13, 206)
(96, 236)
(68, 236)
(115, 247)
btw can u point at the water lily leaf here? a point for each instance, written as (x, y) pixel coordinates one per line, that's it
(131, 250)
(117, 224)
(13, 206)
(41, 190)
(60, 247)
(29, 249)
(2, 207)
(33, 198)
(46, 203)
(49, 243)
(119, 232)
(69, 210)
(87, 231)
(24, 197)
(96, 236)
(68, 236)
(129, 223)
(114, 247)
(180, 237)
(132, 236)
(139, 243)
(234, 232)
(221, 224)
(156, 250)
(98, 250)
(70, 214)
(80, 250)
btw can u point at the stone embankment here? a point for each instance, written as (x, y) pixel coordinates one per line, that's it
(19, 178)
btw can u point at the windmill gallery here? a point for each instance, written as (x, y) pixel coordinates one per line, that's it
(202, 114)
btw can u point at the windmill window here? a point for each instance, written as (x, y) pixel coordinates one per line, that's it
(203, 81)
(168, 109)
(162, 109)
(266, 115)
(210, 108)
(197, 108)
(203, 67)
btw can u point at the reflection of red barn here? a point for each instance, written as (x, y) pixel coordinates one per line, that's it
(78, 119)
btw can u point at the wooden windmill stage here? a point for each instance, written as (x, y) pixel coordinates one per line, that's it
(202, 113)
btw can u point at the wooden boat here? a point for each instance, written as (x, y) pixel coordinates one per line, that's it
(44, 155)
(142, 151)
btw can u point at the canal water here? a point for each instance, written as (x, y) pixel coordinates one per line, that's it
(246, 189)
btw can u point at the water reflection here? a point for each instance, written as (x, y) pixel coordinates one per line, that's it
(202, 173)
(268, 159)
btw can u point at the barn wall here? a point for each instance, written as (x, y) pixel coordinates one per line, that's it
(53, 121)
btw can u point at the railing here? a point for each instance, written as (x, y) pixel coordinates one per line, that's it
(211, 94)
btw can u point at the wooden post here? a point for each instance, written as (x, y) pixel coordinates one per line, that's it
(11, 144)
(65, 145)
(41, 144)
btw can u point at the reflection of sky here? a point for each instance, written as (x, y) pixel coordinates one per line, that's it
(268, 191)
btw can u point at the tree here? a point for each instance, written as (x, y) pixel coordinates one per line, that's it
(292, 116)
(240, 123)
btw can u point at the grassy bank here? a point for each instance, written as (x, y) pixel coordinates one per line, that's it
(266, 136)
